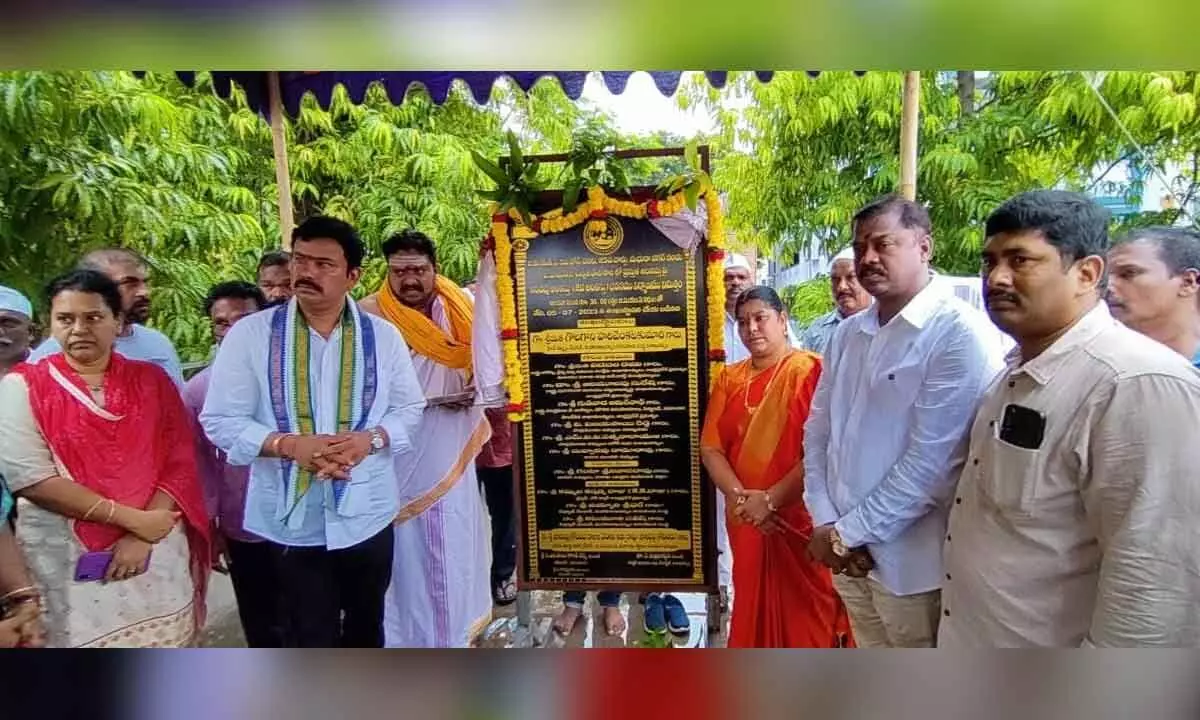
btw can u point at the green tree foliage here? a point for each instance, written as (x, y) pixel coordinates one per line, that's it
(799, 155)
(808, 301)
(187, 178)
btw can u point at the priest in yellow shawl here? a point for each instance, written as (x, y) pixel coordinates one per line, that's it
(440, 595)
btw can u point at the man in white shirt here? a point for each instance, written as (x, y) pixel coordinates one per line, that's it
(1075, 519)
(739, 277)
(1154, 286)
(883, 441)
(136, 341)
(317, 397)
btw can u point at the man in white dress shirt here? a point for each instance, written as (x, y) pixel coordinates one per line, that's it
(885, 433)
(1075, 521)
(317, 397)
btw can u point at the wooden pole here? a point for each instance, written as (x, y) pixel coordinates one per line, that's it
(283, 179)
(910, 116)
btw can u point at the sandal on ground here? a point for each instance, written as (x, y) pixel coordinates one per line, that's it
(504, 592)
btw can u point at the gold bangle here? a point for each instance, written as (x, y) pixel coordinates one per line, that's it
(112, 510)
(92, 509)
(277, 444)
(19, 591)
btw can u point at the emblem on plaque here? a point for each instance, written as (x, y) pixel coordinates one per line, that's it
(603, 237)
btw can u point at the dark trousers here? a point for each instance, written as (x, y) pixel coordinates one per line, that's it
(606, 598)
(252, 570)
(502, 505)
(334, 598)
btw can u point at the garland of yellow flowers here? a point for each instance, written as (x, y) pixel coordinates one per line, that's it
(598, 207)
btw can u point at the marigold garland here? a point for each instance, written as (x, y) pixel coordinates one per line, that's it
(508, 319)
(597, 207)
(715, 285)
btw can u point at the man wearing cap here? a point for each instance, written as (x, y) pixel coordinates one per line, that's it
(849, 296)
(16, 319)
(739, 277)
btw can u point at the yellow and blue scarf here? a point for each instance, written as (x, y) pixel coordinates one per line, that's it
(292, 389)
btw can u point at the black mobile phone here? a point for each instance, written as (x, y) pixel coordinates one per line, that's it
(1022, 427)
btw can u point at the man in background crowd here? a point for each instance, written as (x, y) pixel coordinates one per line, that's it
(275, 277)
(246, 556)
(495, 468)
(136, 341)
(1074, 520)
(848, 295)
(1154, 286)
(16, 328)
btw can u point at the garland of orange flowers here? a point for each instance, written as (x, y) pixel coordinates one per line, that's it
(598, 207)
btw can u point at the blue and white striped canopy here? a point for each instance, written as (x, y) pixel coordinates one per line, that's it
(294, 85)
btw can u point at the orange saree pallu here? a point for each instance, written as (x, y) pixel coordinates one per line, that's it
(783, 598)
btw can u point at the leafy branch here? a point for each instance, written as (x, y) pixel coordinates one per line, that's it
(592, 160)
(694, 181)
(517, 184)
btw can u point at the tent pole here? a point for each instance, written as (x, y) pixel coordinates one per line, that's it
(282, 177)
(909, 118)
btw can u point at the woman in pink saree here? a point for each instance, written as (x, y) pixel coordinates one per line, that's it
(98, 450)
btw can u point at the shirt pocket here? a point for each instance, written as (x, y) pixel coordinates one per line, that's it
(370, 491)
(1011, 480)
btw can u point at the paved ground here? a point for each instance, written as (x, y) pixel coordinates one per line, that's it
(589, 632)
(224, 629)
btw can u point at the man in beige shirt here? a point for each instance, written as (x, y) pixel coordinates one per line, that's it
(1075, 518)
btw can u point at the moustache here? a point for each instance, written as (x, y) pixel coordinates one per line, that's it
(307, 284)
(1009, 297)
(868, 272)
(411, 288)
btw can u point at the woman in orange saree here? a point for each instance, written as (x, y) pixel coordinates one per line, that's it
(752, 447)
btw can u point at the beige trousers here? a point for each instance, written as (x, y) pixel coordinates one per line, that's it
(880, 619)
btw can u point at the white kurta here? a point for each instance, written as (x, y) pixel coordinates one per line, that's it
(440, 594)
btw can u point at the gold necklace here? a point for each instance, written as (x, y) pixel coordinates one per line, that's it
(751, 409)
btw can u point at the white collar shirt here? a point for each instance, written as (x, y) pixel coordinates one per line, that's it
(887, 430)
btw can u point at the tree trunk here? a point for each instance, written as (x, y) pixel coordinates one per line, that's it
(282, 175)
(966, 91)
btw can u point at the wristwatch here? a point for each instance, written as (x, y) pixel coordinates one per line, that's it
(378, 442)
(839, 547)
